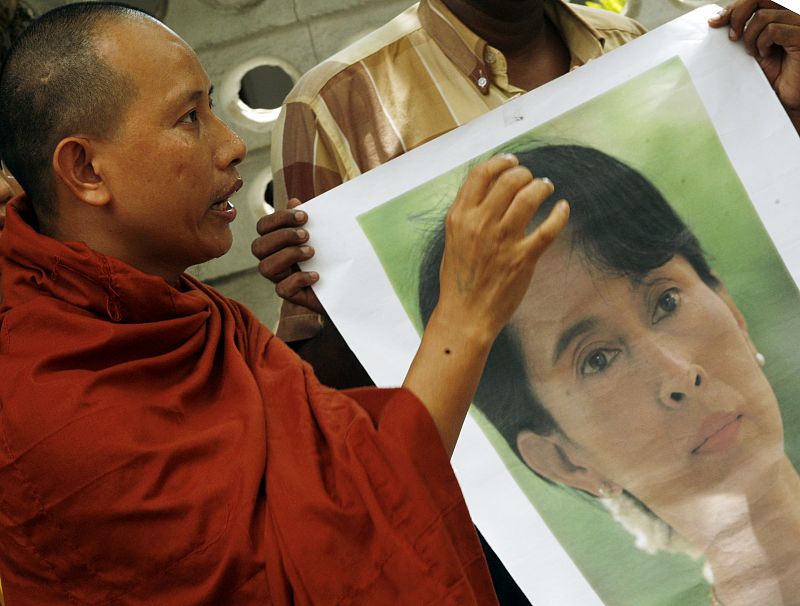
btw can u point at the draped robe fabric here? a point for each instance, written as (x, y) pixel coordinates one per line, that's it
(160, 446)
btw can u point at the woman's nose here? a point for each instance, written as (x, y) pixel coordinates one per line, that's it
(684, 384)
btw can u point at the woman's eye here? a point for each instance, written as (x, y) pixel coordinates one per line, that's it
(598, 360)
(190, 117)
(667, 304)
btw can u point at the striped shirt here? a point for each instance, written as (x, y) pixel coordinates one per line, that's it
(419, 76)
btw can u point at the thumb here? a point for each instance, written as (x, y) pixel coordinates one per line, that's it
(293, 203)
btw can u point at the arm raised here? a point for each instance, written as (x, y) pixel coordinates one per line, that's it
(488, 263)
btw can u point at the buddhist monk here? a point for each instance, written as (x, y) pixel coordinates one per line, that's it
(158, 445)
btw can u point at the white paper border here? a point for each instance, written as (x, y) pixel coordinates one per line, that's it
(760, 142)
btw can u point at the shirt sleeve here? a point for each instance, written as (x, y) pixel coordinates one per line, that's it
(304, 165)
(304, 161)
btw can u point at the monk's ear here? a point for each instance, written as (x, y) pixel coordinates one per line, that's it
(74, 166)
(546, 456)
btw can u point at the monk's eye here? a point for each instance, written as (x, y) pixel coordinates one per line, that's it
(667, 303)
(597, 361)
(189, 117)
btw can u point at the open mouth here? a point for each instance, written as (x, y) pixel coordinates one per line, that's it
(223, 203)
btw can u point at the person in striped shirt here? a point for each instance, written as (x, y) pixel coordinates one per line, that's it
(436, 66)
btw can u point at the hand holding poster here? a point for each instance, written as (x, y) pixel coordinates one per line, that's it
(627, 446)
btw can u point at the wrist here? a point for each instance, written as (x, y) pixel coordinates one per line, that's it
(461, 330)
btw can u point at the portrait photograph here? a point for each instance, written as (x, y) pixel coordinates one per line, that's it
(642, 397)
(635, 347)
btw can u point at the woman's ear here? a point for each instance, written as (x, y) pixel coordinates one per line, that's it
(74, 166)
(546, 456)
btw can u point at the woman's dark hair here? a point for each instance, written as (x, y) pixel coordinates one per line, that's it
(619, 224)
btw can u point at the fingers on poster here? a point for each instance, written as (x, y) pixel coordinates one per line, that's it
(636, 423)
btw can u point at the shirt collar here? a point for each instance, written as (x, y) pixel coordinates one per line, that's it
(467, 51)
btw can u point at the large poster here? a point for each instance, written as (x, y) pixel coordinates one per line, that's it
(634, 439)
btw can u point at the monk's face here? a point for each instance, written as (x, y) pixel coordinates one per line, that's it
(170, 166)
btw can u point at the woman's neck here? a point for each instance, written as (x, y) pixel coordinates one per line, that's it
(748, 528)
(756, 558)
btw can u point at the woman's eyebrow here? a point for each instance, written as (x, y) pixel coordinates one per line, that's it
(567, 336)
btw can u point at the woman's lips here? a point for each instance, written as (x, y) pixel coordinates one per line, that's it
(719, 431)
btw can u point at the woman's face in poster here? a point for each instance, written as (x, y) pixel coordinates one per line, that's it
(653, 383)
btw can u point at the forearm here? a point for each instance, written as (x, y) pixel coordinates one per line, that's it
(447, 369)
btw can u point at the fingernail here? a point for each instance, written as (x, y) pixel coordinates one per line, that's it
(546, 180)
(511, 157)
(301, 234)
(299, 215)
(563, 206)
(721, 14)
(732, 34)
(306, 250)
(314, 276)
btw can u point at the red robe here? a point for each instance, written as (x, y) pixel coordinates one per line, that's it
(161, 446)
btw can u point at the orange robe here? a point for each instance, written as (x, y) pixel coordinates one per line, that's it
(161, 446)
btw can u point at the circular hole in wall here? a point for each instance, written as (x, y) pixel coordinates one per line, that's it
(265, 87)
(269, 197)
(254, 90)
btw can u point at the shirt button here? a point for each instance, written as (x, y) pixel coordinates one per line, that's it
(488, 57)
(482, 82)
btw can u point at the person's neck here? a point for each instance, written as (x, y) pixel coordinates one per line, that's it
(757, 561)
(535, 52)
(507, 25)
(103, 239)
(752, 543)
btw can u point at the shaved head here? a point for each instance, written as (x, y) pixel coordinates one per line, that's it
(56, 83)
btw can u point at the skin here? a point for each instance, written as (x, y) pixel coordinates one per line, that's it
(8, 189)
(148, 196)
(490, 280)
(534, 50)
(642, 395)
